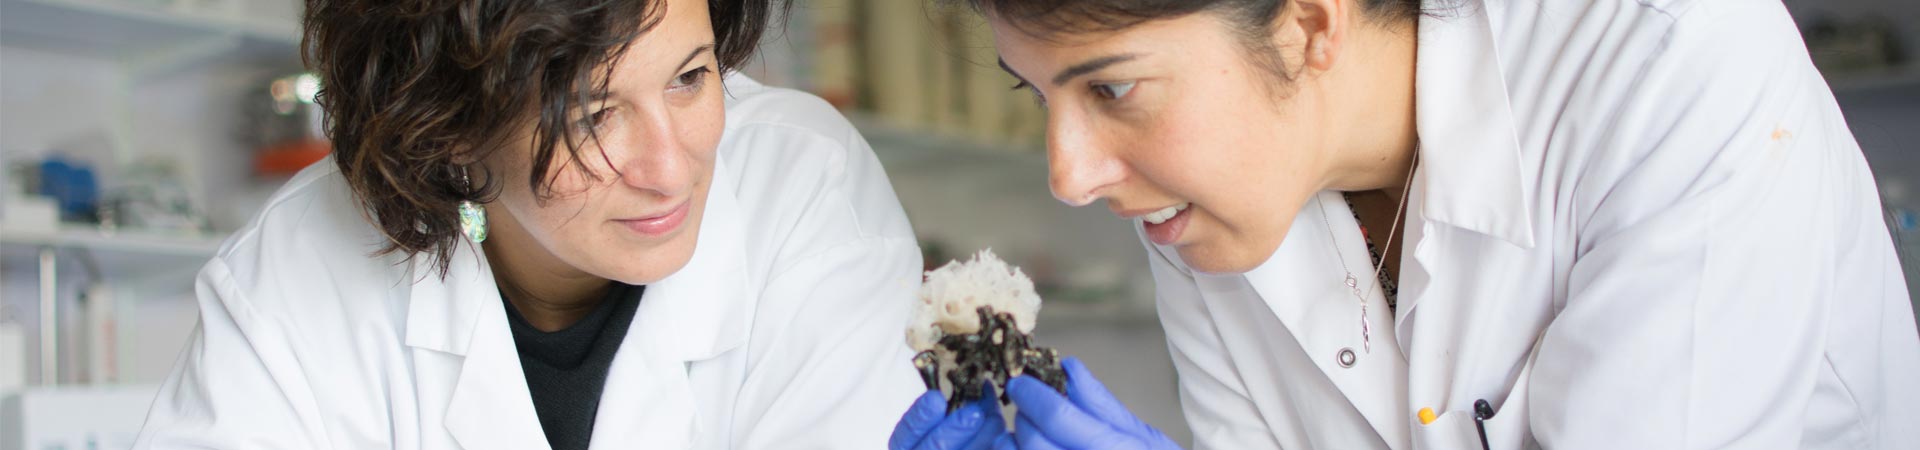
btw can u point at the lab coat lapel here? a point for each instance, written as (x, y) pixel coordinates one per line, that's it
(699, 312)
(462, 317)
(1471, 174)
(1304, 287)
(490, 406)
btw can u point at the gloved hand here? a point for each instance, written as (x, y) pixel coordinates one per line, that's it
(1087, 418)
(975, 426)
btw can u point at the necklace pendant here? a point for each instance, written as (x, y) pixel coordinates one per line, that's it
(1366, 330)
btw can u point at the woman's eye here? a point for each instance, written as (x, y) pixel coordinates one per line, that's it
(1112, 91)
(593, 121)
(691, 77)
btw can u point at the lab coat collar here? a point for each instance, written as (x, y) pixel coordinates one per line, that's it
(442, 311)
(461, 315)
(1470, 150)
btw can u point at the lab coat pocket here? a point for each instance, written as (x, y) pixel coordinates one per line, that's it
(1451, 431)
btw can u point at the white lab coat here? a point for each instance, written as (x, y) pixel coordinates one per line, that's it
(1636, 224)
(783, 331)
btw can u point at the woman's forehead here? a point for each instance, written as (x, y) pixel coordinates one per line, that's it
(1144, 42)
(682, 35)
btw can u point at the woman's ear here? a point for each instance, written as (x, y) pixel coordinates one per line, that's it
(1319, 27)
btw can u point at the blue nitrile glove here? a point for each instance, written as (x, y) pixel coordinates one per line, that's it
(927, 426)
(1087, 418)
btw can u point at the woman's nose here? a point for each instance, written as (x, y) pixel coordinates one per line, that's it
(1078, 169)
(656, 157)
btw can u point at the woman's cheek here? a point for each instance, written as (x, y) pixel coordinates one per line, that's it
(712, 123)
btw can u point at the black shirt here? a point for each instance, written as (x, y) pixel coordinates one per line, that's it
(567, 369)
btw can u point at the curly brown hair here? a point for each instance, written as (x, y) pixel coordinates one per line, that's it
(414, 89)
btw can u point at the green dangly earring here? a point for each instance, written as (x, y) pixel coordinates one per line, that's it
(473, 218)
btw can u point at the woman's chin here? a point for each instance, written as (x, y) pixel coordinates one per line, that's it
(1224, 258)
(648, 266)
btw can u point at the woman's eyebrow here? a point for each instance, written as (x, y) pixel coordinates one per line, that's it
(603, 94)
(1090, 66)
(696, 53)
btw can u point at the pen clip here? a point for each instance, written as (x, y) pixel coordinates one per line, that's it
(1482, 411)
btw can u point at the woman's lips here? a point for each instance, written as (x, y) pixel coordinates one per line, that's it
(659, 225)
(1167, 232)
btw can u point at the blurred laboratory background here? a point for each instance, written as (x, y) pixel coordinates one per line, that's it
(134, 134)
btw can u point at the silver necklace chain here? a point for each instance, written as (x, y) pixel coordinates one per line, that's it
(1353, 283)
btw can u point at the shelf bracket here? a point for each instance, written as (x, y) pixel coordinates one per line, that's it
(49, 319)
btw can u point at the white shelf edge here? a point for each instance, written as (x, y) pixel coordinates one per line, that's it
(264, 29)
(123, 241)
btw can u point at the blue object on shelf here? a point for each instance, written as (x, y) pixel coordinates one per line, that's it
(72, 185)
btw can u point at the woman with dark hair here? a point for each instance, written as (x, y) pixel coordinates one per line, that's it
(1627, 224)
(555, 223)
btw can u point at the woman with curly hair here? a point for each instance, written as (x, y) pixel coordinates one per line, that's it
(555, 223)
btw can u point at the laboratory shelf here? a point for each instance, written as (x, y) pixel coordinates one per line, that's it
(146, 35)
(144, 260)
(127, 255)
(182, 244)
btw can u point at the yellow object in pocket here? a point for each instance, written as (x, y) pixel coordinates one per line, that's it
(1426, 416)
